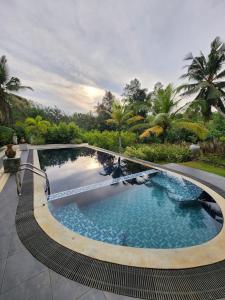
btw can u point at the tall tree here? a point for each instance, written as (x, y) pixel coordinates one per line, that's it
(166, 112)
(206, 79)
(121, 117)
(136, 97)
(85, 121)
(102, 110)
(6, 86)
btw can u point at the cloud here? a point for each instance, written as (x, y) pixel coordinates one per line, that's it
(71, 51)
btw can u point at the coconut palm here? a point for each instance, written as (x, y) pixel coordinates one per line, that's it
(6, 86)
(166, 116)
(121, 116)
(205, 76)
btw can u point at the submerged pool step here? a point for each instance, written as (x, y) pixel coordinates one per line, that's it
(177, 188)
(97, 185)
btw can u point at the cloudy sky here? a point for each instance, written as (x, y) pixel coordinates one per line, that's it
(71, 51)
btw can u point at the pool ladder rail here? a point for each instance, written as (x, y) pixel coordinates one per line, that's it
(35, 170)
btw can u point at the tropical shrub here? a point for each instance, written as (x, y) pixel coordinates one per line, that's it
(216, 126)
(109, 139)
(20, 129)
(76, 141)
(62, 133)
(213, 147)
(6, 135)
(160, 152)
(176, 135)
(38, 140)
(35, 128)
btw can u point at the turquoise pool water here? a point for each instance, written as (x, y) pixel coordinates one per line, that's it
(161, 211)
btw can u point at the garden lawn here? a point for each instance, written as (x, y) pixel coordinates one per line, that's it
(205, 167)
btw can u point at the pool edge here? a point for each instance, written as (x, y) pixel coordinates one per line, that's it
(207, 253)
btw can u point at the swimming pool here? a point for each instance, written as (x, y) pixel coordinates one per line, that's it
(132, 205)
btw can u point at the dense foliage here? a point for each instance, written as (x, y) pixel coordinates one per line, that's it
(6, 135)
(39, 131)
(7, 85)
(217, 127)
(149, 124)
(206, 80)
(160, 152)
(109, 139)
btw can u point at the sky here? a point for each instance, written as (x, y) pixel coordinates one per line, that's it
(71, 51)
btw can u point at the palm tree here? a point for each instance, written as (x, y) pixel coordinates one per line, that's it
(6, 86)
(166, 116)
(121, 117)
(205, 76)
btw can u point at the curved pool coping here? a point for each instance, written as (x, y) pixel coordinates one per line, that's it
(205, 254)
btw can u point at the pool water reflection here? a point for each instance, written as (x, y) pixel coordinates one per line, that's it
(156, 211)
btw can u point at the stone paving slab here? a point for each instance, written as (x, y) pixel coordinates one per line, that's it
(214, 179)
(35, 288)
(65, 288)
(22, 277)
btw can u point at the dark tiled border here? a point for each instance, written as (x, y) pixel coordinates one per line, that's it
(207, 282)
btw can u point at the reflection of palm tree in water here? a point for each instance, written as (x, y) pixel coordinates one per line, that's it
(107, 161)
(104, 158)
(110, 168)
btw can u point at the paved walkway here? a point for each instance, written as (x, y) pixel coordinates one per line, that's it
(22, 277)
(216, 180)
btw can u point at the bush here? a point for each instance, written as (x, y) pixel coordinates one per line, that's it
(160, 152)
(176, 135)
(213, 147)
(37, 140)
(216, 126)
(62, 133)
(76, 141)
(109, 139)
(20, 130)
(6, 135)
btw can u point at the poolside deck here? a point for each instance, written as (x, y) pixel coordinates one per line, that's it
(23, 277)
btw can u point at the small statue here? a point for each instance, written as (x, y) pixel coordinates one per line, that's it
(15, 139)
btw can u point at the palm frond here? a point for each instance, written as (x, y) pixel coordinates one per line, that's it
(111, 121)
(134, 119)
(197, 128)
(4, 72)
(157, 130)
(139, 127)
(220, 75)
(14, 84)
(188, 56)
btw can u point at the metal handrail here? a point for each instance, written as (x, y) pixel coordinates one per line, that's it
(37, 171)
(32, 166)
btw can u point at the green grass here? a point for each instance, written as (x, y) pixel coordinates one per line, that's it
(215, 159)
(205, 167)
